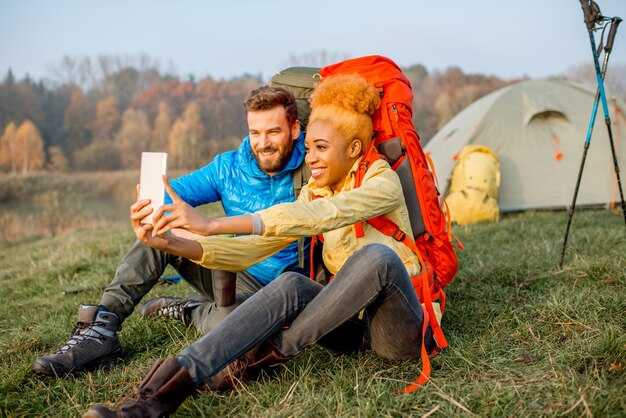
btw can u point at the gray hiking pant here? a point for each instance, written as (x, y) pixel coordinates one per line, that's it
(140, 270)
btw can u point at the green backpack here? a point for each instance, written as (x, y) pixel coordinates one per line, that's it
(300, 81)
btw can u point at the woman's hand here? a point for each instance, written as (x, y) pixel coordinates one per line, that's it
(182, 216)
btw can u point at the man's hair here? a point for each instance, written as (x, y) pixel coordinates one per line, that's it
(266, 98)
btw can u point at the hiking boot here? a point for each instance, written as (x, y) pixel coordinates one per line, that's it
(162, 391)
(246, 368)
(93, 344)
(169, 306)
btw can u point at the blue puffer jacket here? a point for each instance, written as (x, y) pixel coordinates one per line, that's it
(235, 178)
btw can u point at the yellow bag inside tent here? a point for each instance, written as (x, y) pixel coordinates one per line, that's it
(474, 186)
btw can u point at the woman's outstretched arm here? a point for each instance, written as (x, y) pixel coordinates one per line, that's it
(180, 215)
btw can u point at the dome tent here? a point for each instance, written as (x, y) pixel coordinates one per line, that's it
(537, 128)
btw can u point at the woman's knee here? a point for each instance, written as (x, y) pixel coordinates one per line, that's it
(378, 257)
(293, 283)
(378, 253)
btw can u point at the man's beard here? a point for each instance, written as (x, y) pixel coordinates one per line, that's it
(277, 162)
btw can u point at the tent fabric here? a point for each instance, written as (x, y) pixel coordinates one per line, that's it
(474, 186)
(538, 129)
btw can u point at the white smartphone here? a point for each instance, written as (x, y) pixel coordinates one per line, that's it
(153, 168)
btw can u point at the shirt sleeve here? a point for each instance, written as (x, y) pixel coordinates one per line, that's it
(239, 253)
(380, 193)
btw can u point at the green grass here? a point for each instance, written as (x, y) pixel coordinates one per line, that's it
(526, 338)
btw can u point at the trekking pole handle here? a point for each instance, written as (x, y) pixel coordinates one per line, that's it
(609, 40)
(587, 13)
(592, 13)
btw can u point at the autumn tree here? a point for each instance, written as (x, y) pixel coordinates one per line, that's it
(99, 155)
(56, 159)
(7, 149)
(221, 104)
(54, 102)
(445, 109)
(19, 101)
(185, 142)
(7, 94)
(133, 137)
(175, 93)
(77, 123)
(107, 119)
(29, 152)
(439, 96)
(161, 129)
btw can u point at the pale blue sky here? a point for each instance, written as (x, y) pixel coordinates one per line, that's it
(226, 38)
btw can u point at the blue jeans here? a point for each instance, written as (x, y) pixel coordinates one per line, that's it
(373, 279)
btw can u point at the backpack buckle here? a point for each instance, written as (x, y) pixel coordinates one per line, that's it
(398, 235)
(427, 236)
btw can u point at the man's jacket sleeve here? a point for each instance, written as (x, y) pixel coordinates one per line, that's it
(199, 187)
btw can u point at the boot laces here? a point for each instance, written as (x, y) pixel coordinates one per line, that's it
(134, 399)
(176, 309)
(83, 331)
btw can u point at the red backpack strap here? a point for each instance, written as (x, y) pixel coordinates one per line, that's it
(426, 369)
(389, 228)
(311, 257)
(370, 156)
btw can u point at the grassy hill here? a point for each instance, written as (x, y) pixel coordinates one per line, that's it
(526, 338)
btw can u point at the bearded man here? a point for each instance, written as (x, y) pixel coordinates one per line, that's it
(259, 174)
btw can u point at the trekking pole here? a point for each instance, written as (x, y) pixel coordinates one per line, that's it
(593, 16)
(618, 116)
(609, 44)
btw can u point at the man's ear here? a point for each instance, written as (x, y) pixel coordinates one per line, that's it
(295, 130)
(355, 147)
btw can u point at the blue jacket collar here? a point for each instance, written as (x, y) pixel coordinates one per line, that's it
(248, 162)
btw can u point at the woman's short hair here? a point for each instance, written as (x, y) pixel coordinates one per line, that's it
(348, 102)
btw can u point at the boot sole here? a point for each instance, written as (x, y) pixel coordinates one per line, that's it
(47, 368)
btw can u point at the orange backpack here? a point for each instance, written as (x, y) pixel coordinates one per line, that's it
(396, 140)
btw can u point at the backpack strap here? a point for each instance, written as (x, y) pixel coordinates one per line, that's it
(370, 156)
(300, 178)
(426, 369)
(428, 291)
(420, 282)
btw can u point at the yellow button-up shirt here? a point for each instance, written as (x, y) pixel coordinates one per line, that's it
(333, 216)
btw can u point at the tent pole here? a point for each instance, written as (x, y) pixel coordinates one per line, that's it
(591, 17)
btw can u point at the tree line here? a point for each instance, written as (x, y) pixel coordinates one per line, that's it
(100, 115)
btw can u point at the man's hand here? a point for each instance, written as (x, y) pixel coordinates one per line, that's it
(182, 216)
(144, 232)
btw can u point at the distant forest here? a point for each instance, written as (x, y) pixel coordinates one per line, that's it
(96, 115)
